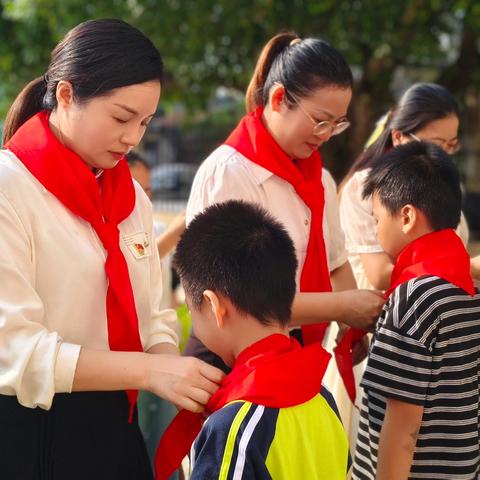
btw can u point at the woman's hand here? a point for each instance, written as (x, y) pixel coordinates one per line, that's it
(361, 308)
(185, 381)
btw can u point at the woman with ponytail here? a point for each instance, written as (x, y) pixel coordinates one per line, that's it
(297, 100)
(80, 327)
(426, 112)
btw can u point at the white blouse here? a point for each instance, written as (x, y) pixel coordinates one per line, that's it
(53, 286)
(226, 174)
(358, 223)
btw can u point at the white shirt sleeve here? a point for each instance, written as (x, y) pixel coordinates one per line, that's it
(34, 362)
(221, 177)
(356, 216)
(333, 233)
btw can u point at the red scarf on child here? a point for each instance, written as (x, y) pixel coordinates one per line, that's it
(253, 141)
(275, 372)
(66, 176)
(440, 253)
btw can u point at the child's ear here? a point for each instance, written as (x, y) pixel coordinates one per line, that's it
(217, 306)
(277, 97)
(409, 217)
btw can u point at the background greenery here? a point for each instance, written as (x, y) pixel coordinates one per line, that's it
(209, 43)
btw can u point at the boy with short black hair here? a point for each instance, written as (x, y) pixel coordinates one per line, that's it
(419, 414)
(271, 417)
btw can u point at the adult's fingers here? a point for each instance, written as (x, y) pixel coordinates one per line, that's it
(211, 373)
(198, 395)
(206, 384)
(379, 293)
(188, 404)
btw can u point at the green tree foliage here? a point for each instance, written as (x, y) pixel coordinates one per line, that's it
(208, 43)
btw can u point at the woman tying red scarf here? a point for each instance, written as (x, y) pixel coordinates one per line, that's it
(297, 99)
(80, 273)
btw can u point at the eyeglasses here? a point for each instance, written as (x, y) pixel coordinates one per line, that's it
(324, 127)
(449, 147)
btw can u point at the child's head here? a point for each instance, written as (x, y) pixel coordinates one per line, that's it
(140, 171)
(415, 190)
(237, 265)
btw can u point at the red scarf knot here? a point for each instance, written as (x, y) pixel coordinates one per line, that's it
(109, 235)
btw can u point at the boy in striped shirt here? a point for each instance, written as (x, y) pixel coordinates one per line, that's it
(419, 416)
(271, 418)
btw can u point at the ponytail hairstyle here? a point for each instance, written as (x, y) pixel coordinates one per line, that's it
(96, 57)
(420, 105)
(301, 66)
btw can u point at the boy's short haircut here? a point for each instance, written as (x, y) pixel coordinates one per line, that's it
(238, 250)
(420, 174)
(133, 158)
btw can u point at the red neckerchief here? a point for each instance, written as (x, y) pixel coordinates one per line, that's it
(440, 253)
(64, 174)
(253, 140)
(275, 372)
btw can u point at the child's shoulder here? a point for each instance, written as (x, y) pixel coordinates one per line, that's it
(420, 304)
(238, 415)
(429, 289)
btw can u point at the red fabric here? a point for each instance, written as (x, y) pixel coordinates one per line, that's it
(276, 372)
(64, 174)
(252, 140)
(343, 357)
(440, 253)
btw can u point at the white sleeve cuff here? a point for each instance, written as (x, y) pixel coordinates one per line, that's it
(160, 338)
(65, 366)
(338, 262)
(165, 329)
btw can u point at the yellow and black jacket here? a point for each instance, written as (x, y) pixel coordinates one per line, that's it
(249, 441)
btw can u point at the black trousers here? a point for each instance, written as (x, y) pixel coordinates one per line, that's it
(85, 435)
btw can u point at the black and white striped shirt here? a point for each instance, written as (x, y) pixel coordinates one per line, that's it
(426, 351)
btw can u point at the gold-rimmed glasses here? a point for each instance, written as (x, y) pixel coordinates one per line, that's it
(325, 127)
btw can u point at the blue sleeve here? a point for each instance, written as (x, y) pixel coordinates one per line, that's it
(233, 439)
(209, 447)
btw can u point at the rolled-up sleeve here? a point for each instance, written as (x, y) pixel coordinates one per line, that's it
(34, 362)
(333, 233)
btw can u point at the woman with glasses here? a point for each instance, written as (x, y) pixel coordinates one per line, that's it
(427, 112)
(297, 100)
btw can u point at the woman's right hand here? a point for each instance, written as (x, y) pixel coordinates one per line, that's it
(361, 308)
(184, 381)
